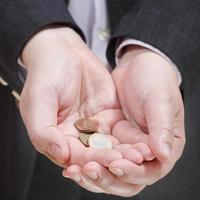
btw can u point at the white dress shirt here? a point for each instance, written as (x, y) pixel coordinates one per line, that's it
(91, 17)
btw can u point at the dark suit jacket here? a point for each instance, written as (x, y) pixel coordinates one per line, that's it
(173, 26)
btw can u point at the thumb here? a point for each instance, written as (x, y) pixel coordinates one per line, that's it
(39, 113)
(160, 115)
(52, 143)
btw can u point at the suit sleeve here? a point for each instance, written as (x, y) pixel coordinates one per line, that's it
(19, 21)
(172, 26)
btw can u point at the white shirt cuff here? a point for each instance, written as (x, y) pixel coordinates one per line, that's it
(20, 63)
(131, 41)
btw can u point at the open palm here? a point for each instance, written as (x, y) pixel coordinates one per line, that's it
(68, 87)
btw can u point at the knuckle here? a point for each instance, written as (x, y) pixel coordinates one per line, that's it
(166, 127)
(168, 130)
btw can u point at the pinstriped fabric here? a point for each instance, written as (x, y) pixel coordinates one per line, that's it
(172, 27)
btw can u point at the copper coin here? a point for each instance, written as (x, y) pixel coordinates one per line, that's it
(84, 137)
(86, 125)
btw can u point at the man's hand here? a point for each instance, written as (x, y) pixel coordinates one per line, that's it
(149, 95)
(150, 98)
(66, 82)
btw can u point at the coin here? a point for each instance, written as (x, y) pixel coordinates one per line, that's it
(86, 125)
(100, 141)
(84, 137)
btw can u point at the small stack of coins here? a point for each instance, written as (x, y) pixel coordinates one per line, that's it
(89, 136)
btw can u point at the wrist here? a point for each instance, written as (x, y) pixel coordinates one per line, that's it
(47, 41)
(143, 60)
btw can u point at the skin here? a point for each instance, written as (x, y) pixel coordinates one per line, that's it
(72, 84)
(150, 98)
(66, 82)
(153, 89)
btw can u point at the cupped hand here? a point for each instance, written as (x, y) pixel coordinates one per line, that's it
(151, 101)
(66, 82)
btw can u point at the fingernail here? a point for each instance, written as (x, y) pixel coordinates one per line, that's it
(54, 151)
(76, 178)
(92, 175)
(117, 171)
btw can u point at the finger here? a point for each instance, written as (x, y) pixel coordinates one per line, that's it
(130, 153)
(103, 179)
(53, 144)
(144, 150)
(79, 154)
(40, 117)
(127, 134)
(75, 173)
(160, 116)
(144, 174)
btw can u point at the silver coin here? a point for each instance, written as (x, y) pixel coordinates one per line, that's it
(100, 141)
